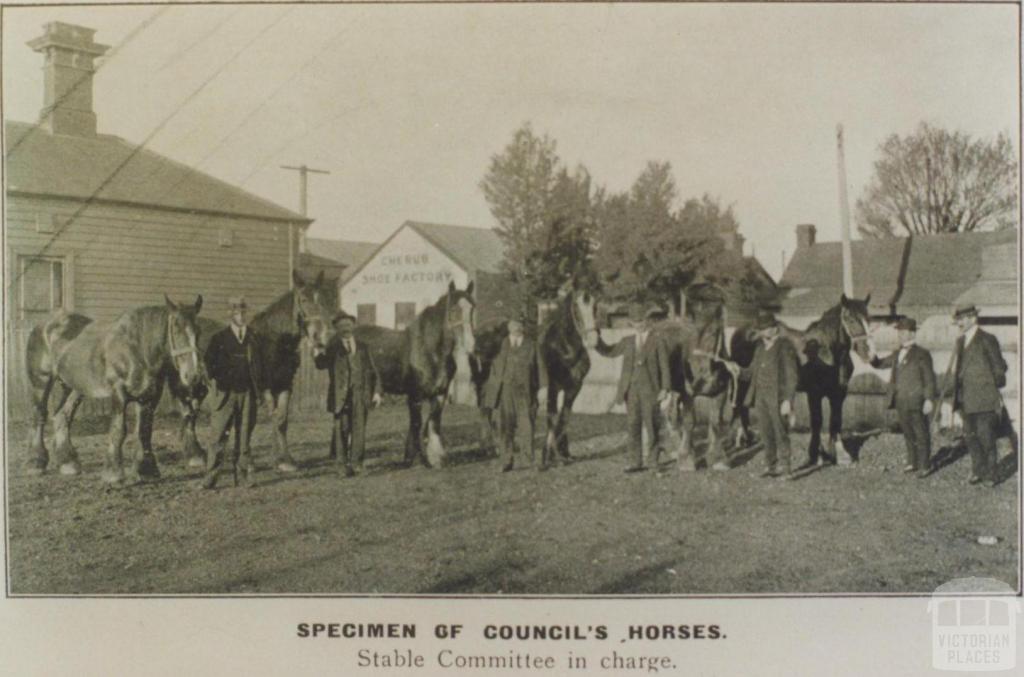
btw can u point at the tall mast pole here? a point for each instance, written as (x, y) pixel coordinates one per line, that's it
(304, 172)
(844, 216)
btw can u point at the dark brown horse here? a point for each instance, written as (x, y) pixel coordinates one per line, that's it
(826, 367)
(126, 361)
(419, 362)
(564, 338)
(304, 313)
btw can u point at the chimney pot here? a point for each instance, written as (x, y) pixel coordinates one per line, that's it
(805, 235)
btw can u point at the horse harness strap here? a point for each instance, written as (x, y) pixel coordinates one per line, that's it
(175, 351)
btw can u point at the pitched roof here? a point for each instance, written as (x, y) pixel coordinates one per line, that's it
(472, 248)
(108, 168)
(926, 270)
(349, 253)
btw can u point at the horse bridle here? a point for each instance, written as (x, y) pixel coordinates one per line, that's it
(299, 313)
(577, 321)
(855, 337)
(453, 326)
(177, 352)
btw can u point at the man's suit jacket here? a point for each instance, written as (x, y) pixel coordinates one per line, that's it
(774, 372)
(912, 380)
(516, 373)
(346, 371)
(980, 373)
(219, 355)
(648, 368)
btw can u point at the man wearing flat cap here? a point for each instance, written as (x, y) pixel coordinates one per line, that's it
(979, 374)
(773, 374)
(235, 363)
(516, 377)
(643, 382)
(912, 394)
(353, 388)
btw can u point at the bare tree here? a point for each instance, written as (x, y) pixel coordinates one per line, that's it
(934, 181)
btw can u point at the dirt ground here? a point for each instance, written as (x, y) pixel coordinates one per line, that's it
(469, 529)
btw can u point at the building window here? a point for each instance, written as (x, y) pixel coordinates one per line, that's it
(42, 286)
(366, 314)
(405, 313)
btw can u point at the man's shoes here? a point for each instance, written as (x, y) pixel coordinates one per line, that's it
(786, 476)
(770, 472)
(923, 472)
(634, 468)
(721, 466)
(349, 471)
(543, 467)
(991, 484)
(909, 468)
(508, 466)
(250, 476)
(974, 480)
(286, 466)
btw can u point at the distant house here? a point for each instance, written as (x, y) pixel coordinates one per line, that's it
(98, 225)
(413, 267)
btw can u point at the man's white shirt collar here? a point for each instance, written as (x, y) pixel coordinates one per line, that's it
(239, 332)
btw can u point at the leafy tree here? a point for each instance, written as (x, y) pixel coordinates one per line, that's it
(544, 212)
(935, 181)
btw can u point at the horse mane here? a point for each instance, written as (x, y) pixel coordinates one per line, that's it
(278, 317)
(827, 330)
(139, 324)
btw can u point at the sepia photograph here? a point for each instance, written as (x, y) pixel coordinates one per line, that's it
(543, 300)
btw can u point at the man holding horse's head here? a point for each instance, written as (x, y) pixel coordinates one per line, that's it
(354, 387)
(235, 363)
(516, 377)
(643, 382)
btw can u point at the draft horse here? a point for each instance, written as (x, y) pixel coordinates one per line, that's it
(419, 362)
(702, 388)
(303, 313)
(126, 361)
(563, 339)
(825, 367)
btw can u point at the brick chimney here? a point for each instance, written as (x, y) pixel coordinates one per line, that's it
(805, 235)
(69, 53)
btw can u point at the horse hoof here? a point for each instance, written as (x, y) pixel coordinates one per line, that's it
(35, 470)
(196, 462)
(113, 477)
(687, 466)
(286, 466)
(70, 468)
(147, 468)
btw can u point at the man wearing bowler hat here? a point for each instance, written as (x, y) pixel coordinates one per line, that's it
(773, 373)
(643, 383)
(353, 388)
(235, 363)
(912, 394)
(979, 374)
(516, 377)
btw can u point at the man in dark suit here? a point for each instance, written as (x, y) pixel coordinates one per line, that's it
(643, 383)
(980, 373)
(773, 380)
(353, 388)
(516, 377)
(912, 394)
(235, 363)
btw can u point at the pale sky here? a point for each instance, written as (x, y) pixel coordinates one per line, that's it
(404, 105)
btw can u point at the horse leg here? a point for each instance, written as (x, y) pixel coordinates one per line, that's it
(565, 411)
(39, 457)
(279, 422)
(113, 473)
(67, 457)
(835, 429)
(435, 445)
(146, 466)
(413, 439)
(814, 450)
(192, 453)
(487, 442)
(547, 453)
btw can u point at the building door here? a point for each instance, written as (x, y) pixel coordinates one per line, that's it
(405, 313)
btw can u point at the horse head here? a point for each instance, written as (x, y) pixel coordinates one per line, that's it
(460, 316)
(182, 340)
(583, 310)
(313, 312)
(853, 317)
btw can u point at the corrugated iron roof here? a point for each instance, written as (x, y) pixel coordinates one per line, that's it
(926, 270)
(108, 168)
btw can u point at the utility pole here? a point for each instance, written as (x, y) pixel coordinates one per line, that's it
(304, 172)
(844, 216)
